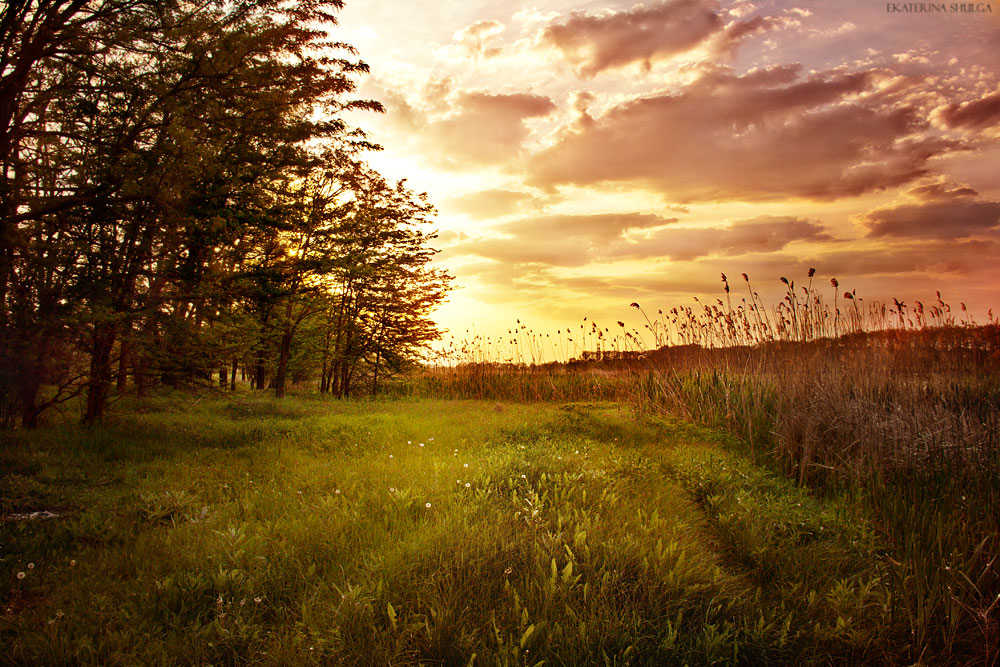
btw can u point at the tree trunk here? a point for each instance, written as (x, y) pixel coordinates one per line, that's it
(100, 372)
(283, 354)
(123, 361)
(223, 380)
(140, 372)
(232, 377)
(29, 384)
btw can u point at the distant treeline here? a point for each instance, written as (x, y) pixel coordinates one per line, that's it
(180, 196)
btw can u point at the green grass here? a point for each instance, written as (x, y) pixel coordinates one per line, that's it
(318, 532)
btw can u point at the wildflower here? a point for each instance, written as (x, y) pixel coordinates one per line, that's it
(20, 575)
(466, 465)
(31, 566)
(390, 456)
(467, 485)
(392, 489)
(421, 444)
(337, 492)
(72, 563)
(409, 442)
(257, 600)
(428, 505)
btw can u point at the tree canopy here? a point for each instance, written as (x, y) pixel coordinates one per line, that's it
(180, 196)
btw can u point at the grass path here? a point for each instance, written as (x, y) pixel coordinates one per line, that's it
(421, 532)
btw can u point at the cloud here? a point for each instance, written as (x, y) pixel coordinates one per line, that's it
(940, 189)
(593, 43)
(479, 38)
(596, 42)
(578, 240)
(935, 209)
(559, 240)
(486, 128)
(766, 135)
(927, 259)
(494, 203)
(601, 228)
(763, 234)
(978, 114)
(455, 128)
(950, 218)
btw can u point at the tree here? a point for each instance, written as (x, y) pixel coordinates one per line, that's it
(385, 289)
(138, 138)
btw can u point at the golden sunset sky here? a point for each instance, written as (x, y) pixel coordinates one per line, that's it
(586, 155)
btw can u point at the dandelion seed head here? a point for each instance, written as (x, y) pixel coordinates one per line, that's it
(20, 575)
(337, 492)
(467, 485)
(31, 566)
(428, 505)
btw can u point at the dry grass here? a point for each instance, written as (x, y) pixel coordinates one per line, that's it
(895, 405)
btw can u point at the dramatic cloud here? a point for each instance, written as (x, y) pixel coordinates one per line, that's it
(952, 218)
(940, 189)
(766, 135)
(595, 42)
(976, 115)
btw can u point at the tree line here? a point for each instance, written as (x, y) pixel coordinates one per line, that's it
(181, 197)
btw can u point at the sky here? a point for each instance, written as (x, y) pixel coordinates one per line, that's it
(587, 155)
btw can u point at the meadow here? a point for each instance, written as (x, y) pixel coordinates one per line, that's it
(896, 406)
(800, 485)
(205, 530)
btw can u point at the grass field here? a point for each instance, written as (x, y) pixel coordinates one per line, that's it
(423, 532)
